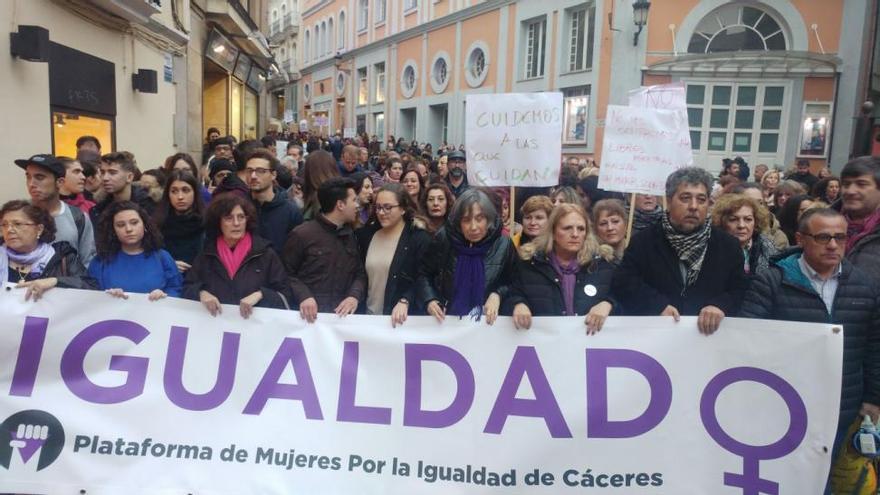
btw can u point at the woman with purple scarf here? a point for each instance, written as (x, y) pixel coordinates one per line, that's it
(27, 257)
(563, 272)
(468, 266)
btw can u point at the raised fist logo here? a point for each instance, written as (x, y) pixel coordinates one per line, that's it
(28, 435)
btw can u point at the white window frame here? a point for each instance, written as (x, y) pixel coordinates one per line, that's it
(437, 85)
(307, 92)
(381, 7)
(343, 29)
(409, 92)
(340, 84)
(534, 49)
(572, 27)
(363, 86)
(410, 6)
(380, 78)
(476, 80)
(713, 157)
(363, 20)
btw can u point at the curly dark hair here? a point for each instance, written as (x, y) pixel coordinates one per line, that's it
(35, 214)
(107, 242)
(223, 205)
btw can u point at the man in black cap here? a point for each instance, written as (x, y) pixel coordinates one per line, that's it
(457, 179)
(220, 169)
(44, 175)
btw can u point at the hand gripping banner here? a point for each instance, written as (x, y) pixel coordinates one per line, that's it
(130, 396)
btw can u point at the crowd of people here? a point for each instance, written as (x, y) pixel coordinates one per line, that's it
(357, 226)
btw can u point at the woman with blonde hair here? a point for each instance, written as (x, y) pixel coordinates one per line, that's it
(562, 273)
(749, 221)
(609, 223)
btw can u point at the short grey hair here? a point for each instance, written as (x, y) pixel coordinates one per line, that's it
(463, 204)
(688, 175)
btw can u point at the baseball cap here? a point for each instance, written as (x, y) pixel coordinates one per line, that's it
(48, 162)
(457, 155)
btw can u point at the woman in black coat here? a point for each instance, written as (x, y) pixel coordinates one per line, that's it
(179, 217)
(469, 263)
(236, 266)
(563, 272)
(392, 246)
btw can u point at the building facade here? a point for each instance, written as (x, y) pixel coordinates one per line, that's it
(773, 81)
(284, 22)
(85, 85)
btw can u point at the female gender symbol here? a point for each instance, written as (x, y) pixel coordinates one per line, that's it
(750, 480)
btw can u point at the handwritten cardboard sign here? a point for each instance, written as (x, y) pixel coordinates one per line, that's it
(641, 147)
(514, 139)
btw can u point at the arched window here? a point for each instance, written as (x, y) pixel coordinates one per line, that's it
(306, 48)
(343, 29)
(316, 52)
(323, 38)
(330, 36)
(283, 9)
(734, 28)
(274, 15)
(293, 53)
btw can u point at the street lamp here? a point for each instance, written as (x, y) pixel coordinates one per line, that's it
(640, 17)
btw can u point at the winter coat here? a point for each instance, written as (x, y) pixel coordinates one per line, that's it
(411, 248)
(437, 271)
(67, 268)
(784, 293)
(650, 278)
(865, 255)
(277, 218)
(537, 285)
(261, 270)
(760, 253)
(323, 261)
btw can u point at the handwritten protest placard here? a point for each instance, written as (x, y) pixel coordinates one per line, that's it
(641, 148)
(514, 139)
(662, 97)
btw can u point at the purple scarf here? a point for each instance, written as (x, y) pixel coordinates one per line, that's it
(568, 276)
(469, 280)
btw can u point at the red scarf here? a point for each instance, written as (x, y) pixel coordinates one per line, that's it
(232, 258)
(856, 229)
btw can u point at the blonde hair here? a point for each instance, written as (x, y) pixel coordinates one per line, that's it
(544, 242)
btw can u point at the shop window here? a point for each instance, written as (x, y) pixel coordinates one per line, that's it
(68, 126)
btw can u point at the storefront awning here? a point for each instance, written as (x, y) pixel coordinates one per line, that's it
(777, 63)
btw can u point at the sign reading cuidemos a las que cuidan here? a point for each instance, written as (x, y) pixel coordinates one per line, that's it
(138, 397)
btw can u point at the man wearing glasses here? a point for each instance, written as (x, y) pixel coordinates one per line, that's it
(277, 214)
(814, 283)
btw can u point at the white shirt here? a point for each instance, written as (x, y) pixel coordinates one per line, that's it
(826, 288)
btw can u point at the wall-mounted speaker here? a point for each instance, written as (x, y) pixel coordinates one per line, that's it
(145, 81)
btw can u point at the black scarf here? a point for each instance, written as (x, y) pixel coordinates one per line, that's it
(644, 219)
(690, 248)
(183, 226)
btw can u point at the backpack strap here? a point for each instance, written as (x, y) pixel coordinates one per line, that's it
(79, 218)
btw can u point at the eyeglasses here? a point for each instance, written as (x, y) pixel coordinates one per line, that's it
(15, 225)
(258, 171)
(385, 208)
(826, 238)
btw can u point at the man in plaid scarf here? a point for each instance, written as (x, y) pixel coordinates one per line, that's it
(683, 265)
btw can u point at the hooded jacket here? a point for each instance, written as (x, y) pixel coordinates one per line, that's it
(277, 218)
(783, 292)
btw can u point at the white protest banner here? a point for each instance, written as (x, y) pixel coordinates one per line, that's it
(348, 132)
(129, 396)
(280, 148)
(641, 147)
(660, 97)
(514, 139)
